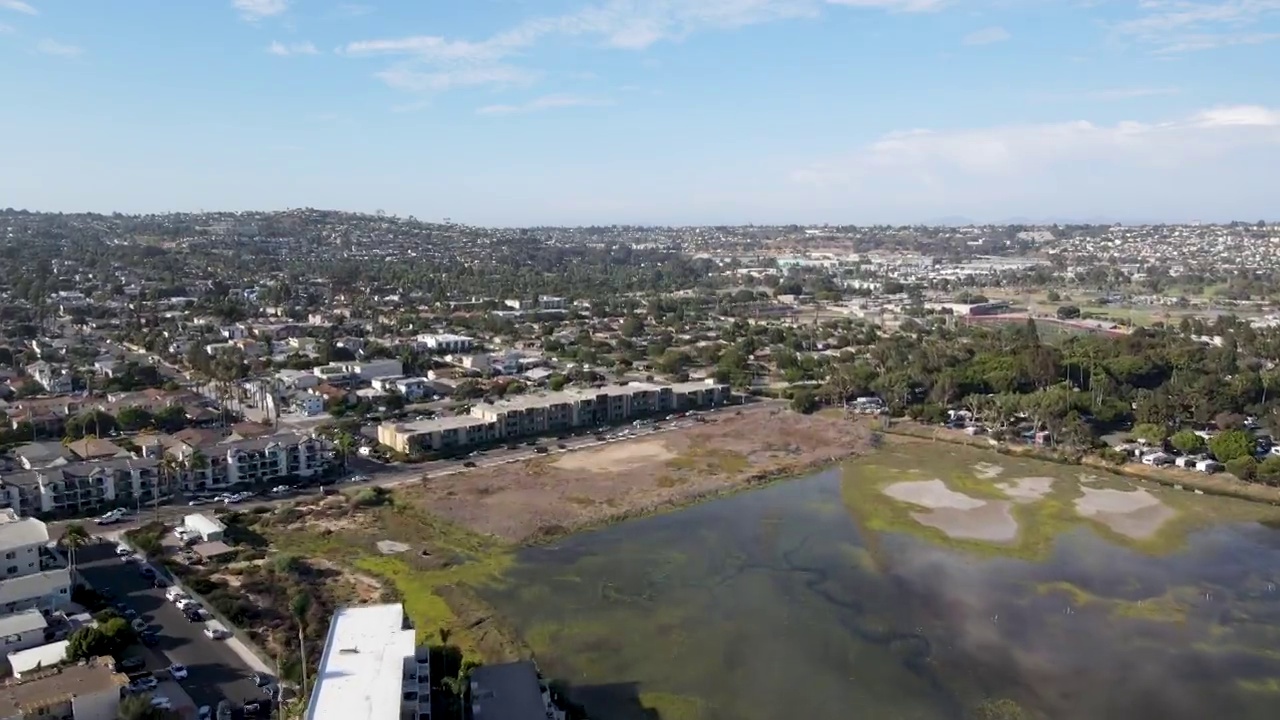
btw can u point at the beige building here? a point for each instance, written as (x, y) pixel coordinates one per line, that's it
(528, 415)
(88, 690)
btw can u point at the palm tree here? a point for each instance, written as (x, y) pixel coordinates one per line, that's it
(195, 462)
(169, 467)
(74, 538)
(344, 444)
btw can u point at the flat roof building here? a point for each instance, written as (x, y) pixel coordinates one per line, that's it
(510, 691)
(372, 668)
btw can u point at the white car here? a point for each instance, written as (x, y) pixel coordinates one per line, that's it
(161, 702)
(216, 633)
(122, 551)
(178, 671)
(204, 713)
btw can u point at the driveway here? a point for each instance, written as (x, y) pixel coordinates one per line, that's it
(216, 671)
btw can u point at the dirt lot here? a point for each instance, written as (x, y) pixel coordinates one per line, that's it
(548, 496)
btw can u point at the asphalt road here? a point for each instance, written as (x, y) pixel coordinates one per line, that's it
(216, 671)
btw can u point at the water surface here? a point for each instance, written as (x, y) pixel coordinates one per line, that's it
(781, 603)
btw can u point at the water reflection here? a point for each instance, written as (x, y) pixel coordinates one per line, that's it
(772, 605)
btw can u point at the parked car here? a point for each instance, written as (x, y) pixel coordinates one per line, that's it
(121, 551)
(149, 638)
(147, 571)
(216, 632)
(261, 679)
(139, 625)
(133, 664)
(141, 685)
(204, 713)
(178, 671)
(225, 709)
(257, 707)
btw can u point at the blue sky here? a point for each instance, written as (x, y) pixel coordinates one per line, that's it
(515, 112)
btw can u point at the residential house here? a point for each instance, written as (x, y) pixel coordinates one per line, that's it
(308, 403)
(39, 455)
(55, 379)
(78, 489)
(96, 449)
(89, 690)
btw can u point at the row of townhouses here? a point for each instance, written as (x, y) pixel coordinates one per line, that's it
(528, 415)
(52, 483)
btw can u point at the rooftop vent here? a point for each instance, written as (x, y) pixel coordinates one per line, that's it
(349, 651)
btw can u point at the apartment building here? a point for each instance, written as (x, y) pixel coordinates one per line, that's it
(251, 461)
(88, 690)
(21, 539)
(527, 415)
(25, 584)
(83, 487)
(372, 668)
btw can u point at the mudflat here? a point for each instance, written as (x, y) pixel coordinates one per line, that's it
(560, 492)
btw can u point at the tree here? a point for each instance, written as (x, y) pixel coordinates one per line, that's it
(1269, 471)
(1068, 312)
(134, 418)
(1154, 433)
(1231, 444)
(1187, 442)
(803, 400)
(139, 707)
(1052, 296)
(345, 444)
(74, 537)
(1243, 467)
(108, 638)
(557, 382)
(631, 327)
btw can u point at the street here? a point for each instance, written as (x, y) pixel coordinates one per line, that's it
(217, 672)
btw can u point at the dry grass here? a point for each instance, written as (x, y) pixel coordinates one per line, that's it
(551, 495)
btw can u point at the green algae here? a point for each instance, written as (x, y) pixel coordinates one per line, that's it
(1040, 522)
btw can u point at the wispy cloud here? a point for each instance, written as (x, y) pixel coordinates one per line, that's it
(617, 24)
(4, 29)
(415, 80)
(546, 102)
(253, 10)
(987, 36)
(285, 50)
(55, 48)
(1039, 152)
(18, 6)
(354, 9)
(1171, 27)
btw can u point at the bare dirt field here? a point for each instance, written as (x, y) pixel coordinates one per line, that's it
(550, 495)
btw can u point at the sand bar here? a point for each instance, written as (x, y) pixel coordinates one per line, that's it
(932, 494)
(1136, 514)
(1027, 489)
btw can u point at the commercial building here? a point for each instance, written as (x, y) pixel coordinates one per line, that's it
(446, 343)
(527, 415)
(511, 691)
(89, 690)
(371, 668)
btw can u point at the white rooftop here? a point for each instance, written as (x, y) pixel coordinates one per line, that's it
(361, 674)
(18, 532)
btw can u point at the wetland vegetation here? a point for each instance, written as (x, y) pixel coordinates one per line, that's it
(829, 594)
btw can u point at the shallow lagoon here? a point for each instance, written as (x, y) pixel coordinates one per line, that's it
(827, 598)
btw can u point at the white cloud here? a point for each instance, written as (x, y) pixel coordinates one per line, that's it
(1171, 27)
(620, 24)
(987, 36)
(4, 29)
(1204, 157)
(546, 102)
(285, 50)
(416, 80)
(52, 47)
(253, 10)
(18, 6)
(355, 9)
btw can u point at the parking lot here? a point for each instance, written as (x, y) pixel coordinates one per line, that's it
(215, 670)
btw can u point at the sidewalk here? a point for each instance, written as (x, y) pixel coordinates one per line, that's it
(245, 654)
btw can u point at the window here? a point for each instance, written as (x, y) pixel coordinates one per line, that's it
(12, 569)
(10, 555)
